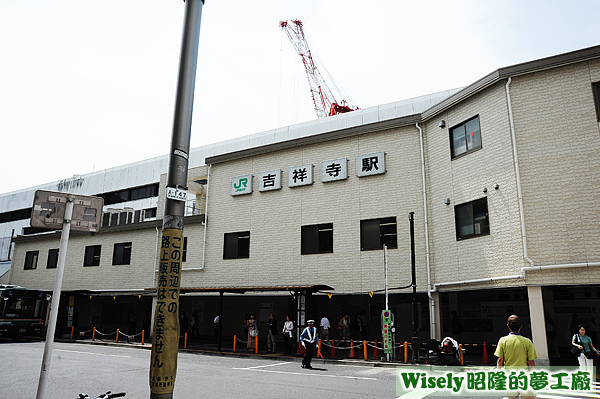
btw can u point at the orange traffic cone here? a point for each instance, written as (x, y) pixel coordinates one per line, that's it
(376, 352)
(352, 355)
(333, 348)
(485, 360)
(300, 349)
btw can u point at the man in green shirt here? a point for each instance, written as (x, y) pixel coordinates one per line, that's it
(516, 351)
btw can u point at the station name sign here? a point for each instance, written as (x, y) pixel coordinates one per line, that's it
(302, 175)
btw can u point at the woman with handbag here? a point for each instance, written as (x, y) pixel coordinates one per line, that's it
(252, 332)
(583, 343)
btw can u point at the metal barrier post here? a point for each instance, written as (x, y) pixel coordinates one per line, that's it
(94, 334)
(143, 337)
(234, 342)
(365, 349)
(72, 328)
(117, 335)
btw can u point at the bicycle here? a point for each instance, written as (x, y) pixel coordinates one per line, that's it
(107, 395)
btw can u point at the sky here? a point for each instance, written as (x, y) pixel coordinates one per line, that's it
(86, 86)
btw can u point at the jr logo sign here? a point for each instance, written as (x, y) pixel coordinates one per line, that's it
(241, 185)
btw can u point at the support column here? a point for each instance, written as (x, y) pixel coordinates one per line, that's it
(538, 324)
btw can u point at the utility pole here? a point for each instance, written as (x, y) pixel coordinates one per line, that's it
(165, 340)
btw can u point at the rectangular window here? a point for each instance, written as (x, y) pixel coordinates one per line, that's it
(92, 255)
(184, 252)
(237, 245)
(317, 239)
(149, 213)
(465, 137)
(122, 254)
(472, 219)
(31, 258)
(105, 219)
(52, 259)
(374, 233)
(596, 89)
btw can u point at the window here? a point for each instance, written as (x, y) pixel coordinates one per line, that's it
(465, 137)
(92, 255)
(596, 89)
(52, 259)
(237, 245)
(105, 219)
(31, 258)
(121, 254)
(472, 219)
(149, 213)
(374, 233)
(317, 239)
(184, 252)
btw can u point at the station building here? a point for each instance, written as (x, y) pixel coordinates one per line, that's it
(500, 177)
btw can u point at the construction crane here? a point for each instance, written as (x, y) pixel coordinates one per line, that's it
(323, 98)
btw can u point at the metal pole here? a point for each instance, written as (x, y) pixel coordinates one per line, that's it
(387, 305)
(415, 337)
(385, 262)
(220, 328)
(60, 269)
(165, 340)
(413, 272)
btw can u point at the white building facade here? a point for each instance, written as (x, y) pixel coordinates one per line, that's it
(501, 178)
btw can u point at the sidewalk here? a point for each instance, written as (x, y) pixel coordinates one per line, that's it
(206, 347)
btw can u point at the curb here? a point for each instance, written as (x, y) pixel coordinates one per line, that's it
(239, 354)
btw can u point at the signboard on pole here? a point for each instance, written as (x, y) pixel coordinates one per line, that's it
(49, 211)
(387, 324)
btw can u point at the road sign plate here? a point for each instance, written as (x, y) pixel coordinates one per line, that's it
(176, 194)
(49, 211)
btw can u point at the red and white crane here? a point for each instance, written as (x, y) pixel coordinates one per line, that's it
(323, 98)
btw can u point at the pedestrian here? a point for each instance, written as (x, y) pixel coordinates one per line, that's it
(344, 327)
(132, 323)
(183, 327)
(514, 351)
(216, 327)
(288, 335)
(252, 332)
(325, 326)
(246, 318)
(360, 327)
(271, 333)
(194, 323)
(584, 344)
(309, 339)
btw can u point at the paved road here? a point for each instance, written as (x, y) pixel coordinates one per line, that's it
(95, 369)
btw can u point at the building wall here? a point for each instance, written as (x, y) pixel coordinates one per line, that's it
(137, 275)
(462, 180)
(558, 138)
(558, 141)
(274, 218)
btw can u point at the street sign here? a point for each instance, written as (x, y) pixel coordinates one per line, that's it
(176, 194)
(387, 325)
(49, 211)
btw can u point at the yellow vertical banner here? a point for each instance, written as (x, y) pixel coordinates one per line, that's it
(165, 341)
